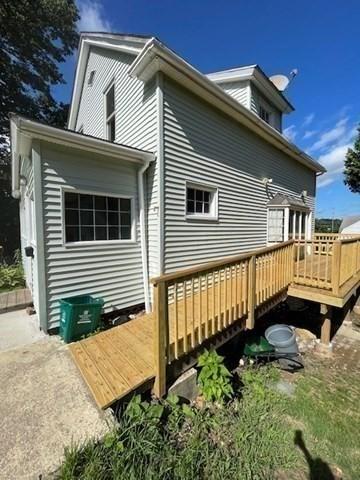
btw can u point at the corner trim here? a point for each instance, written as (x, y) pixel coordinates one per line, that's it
(161, 160)
(40, 237)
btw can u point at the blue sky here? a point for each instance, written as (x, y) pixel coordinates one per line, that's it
(319, 38)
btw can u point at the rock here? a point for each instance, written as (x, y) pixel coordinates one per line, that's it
(303, 334)
(186, 386)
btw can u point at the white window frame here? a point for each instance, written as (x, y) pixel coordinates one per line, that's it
(109, 118)
(213, 204)
(82, 243)
(297, 223)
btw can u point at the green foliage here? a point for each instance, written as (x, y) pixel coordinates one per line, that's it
(214, 378)
(352, 166)
(12, 276)
(327, 225)
(247, 440)
(35, 36)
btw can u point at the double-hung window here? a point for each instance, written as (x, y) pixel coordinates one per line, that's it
(110, 112)
(90, 218)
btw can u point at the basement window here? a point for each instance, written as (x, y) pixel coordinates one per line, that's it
(91, 218)
(110, 112)
(201, 202)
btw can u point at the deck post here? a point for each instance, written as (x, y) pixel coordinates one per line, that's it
(326, 315)
(250, 322)
(335, 267)
(159, 339)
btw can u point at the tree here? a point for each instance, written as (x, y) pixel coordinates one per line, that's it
(352, 166)
(35, 36)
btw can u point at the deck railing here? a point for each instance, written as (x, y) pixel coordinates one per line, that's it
(192, 305)
(327, 262)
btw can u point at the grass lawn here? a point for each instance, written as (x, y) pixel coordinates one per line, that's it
(326, 410)
(260, 434)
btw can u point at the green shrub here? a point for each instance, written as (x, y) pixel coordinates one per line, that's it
(214, 378)
(12, 276)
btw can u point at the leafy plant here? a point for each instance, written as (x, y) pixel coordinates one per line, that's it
(181, 442)
(214, 378)
(138, 410)
(12, 276)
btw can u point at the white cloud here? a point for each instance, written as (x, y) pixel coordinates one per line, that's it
(92, 18)
(308, 119)
(309, 134)
(334, 135)
(333, 161)
(290, 133)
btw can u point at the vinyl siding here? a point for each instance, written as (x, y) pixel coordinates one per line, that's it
(258, 99)
(113, 271)
(204, 146)
(238, 90)
(135, 120)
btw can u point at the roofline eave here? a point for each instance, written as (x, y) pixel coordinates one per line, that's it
(155, 56)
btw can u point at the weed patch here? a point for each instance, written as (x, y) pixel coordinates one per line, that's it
(243, 439)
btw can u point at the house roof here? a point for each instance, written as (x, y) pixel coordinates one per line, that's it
(150, 56)
(260, 80)
(348, 221)
(24, 130)
(281, 200)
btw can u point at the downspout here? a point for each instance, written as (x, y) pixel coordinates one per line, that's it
(143, 243)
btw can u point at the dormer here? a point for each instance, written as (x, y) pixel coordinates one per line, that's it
(252, 88)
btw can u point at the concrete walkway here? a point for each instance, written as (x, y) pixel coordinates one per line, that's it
(44, 406)
(18, 329)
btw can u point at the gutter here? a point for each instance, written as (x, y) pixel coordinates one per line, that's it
(143, 243)
(155, 56)
(23, 131)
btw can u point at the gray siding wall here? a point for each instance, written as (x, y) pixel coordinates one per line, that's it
(204, 146)
(258, 99)
(113, 271)
(238, 90)
(136, 122)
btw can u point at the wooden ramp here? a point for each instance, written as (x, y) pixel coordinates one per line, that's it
(117, 361)
(196, 306)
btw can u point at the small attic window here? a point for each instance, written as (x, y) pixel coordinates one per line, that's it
(91, 78)
(264, 114)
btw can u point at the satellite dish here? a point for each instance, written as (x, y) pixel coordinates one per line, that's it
(280, 82)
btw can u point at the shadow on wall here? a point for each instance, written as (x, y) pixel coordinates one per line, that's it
(318, 469)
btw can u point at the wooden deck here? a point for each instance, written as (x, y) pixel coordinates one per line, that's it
(15, 300)
(198, 305)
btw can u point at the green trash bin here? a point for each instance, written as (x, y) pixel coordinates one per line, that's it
(79, 316)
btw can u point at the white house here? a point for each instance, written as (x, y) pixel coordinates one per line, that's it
(350, 225)
(160, 167)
